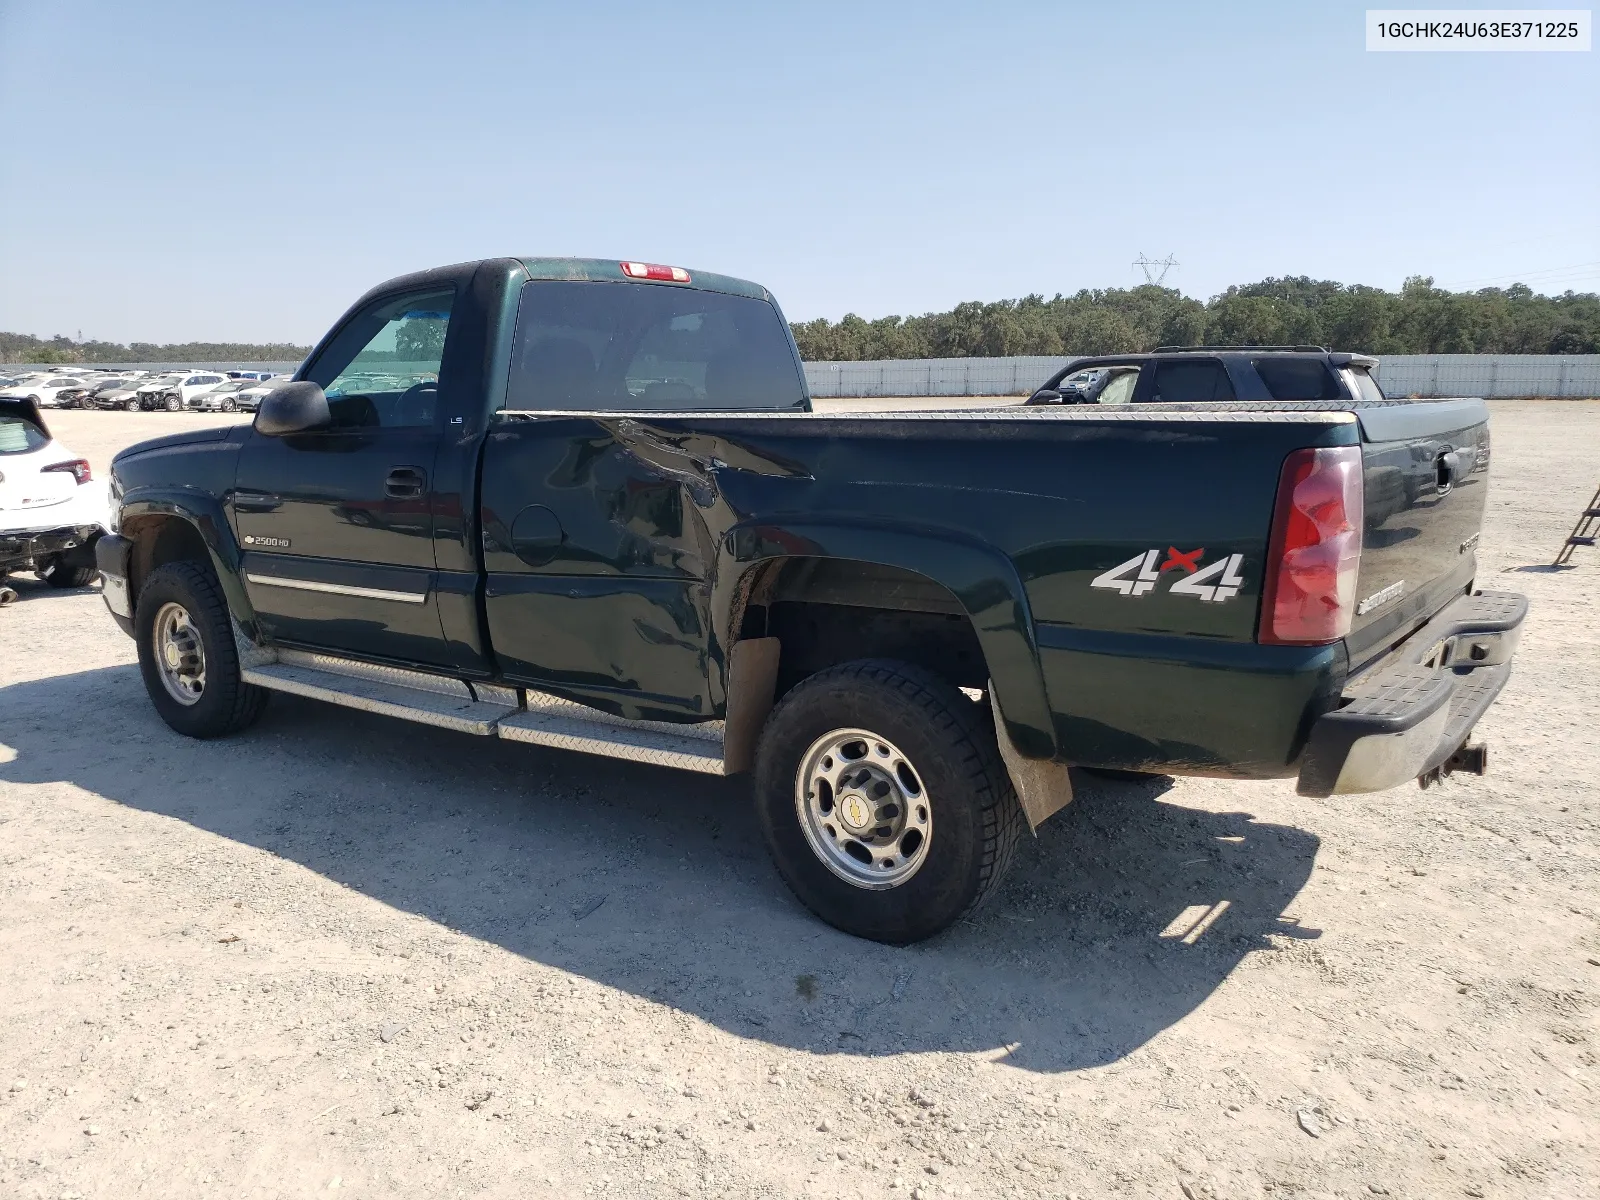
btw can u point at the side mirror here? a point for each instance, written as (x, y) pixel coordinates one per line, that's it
(292, 408)
(1045, 396)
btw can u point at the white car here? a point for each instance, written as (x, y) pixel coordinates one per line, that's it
(173, 391)
(250, 398)
(45, 390)
(52, 508)
(222, 398)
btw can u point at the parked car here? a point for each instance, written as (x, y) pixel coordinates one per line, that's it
(907, 624)
(258, 376)
(172, 392)
(52, 509)
(1097, 385)
(46, 390)
(222, 398)
(250, 397)
(125, 397)
(100, 388)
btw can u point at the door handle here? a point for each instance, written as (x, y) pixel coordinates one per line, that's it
(405, 483)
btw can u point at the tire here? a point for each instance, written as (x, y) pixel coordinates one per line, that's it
(173, 404)
(229, 406)
(131, 406)
(972, 818)
(221, 703)
(58, 572)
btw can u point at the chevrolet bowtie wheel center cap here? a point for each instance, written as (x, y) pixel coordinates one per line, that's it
(863, 809)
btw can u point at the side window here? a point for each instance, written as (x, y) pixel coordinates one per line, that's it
(1191, 381)
(1120, 389)
(382, 369)
(1297, 378)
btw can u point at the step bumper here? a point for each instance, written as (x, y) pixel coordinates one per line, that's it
(1410, 715)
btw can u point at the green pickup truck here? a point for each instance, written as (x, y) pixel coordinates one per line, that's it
(587, 504)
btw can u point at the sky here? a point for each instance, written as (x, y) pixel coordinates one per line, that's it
(210, 171)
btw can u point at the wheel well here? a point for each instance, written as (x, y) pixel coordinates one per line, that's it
(160, 540)
(826, 611)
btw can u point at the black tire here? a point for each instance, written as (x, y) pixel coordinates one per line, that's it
(130, 406)
(950, 743)
(60, 571)
(229, 406)
(226, 703)
(173, 403)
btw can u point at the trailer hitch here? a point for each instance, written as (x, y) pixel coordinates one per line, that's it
(1471, 758)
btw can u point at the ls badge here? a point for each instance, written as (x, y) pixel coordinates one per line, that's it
(1213, 583)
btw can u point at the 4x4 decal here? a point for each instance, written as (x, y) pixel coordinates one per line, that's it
(1213, 583)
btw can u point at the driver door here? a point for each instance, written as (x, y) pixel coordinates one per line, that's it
(336, 525)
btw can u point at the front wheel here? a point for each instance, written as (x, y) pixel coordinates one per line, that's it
(187, 654)
(174, 404)
(229, 406)
(884, 801)
(131, 406)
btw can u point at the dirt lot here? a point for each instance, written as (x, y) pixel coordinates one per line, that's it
(347, 956)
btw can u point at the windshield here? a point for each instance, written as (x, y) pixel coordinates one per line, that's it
(629, 346)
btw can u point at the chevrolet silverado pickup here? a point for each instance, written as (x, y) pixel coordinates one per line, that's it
(587, 505)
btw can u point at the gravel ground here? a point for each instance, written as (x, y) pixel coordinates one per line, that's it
(344, 955)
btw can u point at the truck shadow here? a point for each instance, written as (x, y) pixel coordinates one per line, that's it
(1119, 920)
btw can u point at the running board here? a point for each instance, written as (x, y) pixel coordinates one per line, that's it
(390, 691)
(551, 721)
(490, 711)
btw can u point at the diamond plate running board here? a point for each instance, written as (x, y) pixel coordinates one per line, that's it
(390, 691)
(551, 721)
(489, 711)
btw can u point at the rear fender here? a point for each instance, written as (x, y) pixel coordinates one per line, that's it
(981, 578)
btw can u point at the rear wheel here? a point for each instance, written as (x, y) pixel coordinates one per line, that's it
(187, 654)
(64, 571)
(884, 801)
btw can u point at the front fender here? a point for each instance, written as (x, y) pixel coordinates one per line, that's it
(981, 578)
(206, 516)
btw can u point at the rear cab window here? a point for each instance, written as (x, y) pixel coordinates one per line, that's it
(595, 346)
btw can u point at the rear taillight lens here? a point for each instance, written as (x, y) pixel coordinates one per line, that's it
(78, 466)
(1315, 550)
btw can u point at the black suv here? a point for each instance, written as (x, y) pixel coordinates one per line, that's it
(1213, 374)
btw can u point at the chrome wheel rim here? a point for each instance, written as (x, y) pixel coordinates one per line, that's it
(180, 655)
(863, 809)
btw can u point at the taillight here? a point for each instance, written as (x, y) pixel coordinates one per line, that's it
(639, 270)
(1315, 550)
(78, 466)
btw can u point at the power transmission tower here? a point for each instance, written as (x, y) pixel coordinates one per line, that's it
(1149, 265)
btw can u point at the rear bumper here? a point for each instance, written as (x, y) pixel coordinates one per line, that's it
(1407, 716)
(21, 546)
(111, 554)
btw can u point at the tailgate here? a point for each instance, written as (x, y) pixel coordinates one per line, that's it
(1426, 466)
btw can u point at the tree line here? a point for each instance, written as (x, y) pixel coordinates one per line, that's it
(1296, 310)
(25, 348)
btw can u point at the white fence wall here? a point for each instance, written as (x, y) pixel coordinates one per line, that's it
(1488, 375)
